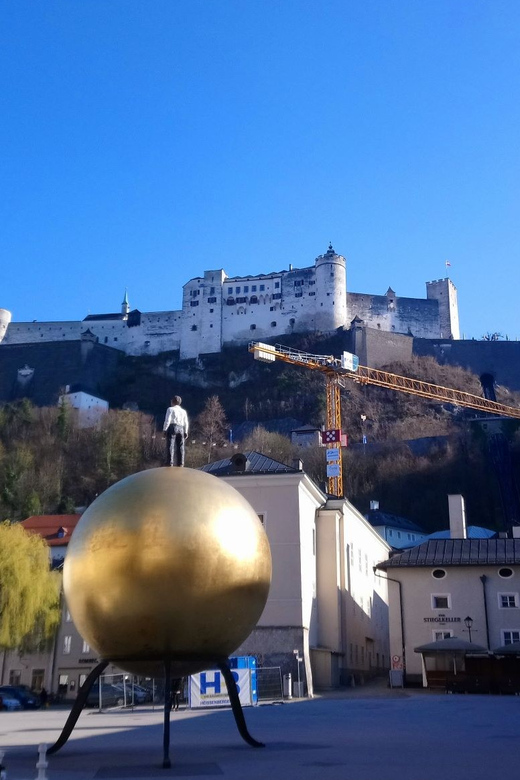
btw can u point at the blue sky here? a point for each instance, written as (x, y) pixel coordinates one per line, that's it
(145, 141)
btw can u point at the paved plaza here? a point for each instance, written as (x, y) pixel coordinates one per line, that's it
(366, 734)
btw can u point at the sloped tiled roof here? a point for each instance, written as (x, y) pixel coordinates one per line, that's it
(375, 517)
(256, 463)
(117, 316)
(472, 532)
(458, 552)
(55, 529)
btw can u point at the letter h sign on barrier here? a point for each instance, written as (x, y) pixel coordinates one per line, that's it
(206, 682)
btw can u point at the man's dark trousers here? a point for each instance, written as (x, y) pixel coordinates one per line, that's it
(175, 445)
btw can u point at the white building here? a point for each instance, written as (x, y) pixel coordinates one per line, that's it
(325, 600)
(89, 408)
(219, 310)
(458, 587)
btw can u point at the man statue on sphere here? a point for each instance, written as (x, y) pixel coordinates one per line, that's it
(175, 429)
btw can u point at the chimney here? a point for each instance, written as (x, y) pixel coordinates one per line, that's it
(457, 512)
(297, 464)
(374, 506)
(515, 531)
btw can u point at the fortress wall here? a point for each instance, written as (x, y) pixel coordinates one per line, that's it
(38, 332)
(501, 359)
(377, 348)
(159, 331)
(412, 316)
(244, 321)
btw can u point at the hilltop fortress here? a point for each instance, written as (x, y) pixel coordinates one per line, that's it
(218, 310)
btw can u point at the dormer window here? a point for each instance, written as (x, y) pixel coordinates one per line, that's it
(61, 532)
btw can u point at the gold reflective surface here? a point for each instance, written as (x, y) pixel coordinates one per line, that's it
(169, 562)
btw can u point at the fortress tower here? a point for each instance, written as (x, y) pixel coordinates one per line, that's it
(5, 319)
(445, 292)
(331, 291)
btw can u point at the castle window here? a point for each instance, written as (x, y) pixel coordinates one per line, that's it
(292, 321)
(312, 282)
(252, 327)
(312, 293)
(241, 300)
(106, 339)
(273, 324)
(246, 289)
(277, 284)
(276, 296)
(211, 311)
(272, 308)
(212, 300)
(212, 291)
(253, 299)
(194, 303)
(230, 301)
(211, 326)
(230, 291)
(298, 295)
(115, 338)
(253, 288)
(237, 290)
(379, 326)
(194, 327)
(262, 287)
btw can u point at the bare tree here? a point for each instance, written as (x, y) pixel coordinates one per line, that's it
(211, 425)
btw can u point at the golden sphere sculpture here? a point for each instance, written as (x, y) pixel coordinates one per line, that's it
(168, 563)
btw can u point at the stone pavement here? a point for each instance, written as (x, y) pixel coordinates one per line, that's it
(367, 733)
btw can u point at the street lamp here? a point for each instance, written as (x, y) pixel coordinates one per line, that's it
(299, 659)
(468, 622)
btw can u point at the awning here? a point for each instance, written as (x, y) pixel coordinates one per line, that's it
(511, 649)
(451, 645)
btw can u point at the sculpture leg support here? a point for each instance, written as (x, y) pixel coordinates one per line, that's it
(77, 707)
(236, 706)
(167, 708)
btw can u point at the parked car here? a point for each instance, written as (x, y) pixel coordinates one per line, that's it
(145, 691)
(28, 699)
(110, 696)
(9, 703)
(139, 696)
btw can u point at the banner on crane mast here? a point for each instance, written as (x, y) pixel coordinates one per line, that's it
(333, 470)
(328, 437)
(332, 454)
(349, 361)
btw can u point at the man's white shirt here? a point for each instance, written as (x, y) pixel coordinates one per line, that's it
(175, 415)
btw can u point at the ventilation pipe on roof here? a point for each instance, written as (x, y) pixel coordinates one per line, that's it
(374, 506)
(457, 512)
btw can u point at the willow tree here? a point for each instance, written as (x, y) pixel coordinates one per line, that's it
(29, 590)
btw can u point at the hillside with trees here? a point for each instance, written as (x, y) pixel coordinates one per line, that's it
(49, 464)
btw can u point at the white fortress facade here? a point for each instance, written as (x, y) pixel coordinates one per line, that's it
(218, 310)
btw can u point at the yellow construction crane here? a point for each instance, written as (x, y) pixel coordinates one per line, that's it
(338, 370)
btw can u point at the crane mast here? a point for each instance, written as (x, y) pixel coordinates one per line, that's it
(337, 370)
